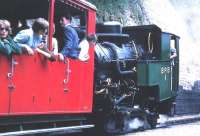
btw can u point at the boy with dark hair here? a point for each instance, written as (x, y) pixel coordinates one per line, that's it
(70, 39)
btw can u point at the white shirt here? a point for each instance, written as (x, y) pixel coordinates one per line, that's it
(84, 46)
(55, 46)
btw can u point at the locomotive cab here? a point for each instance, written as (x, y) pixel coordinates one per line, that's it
(155, 62)
(147, 40)
(157, 71)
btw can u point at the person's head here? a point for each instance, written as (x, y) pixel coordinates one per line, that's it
(65, 19)
(92, 38)
(8, 25)
(40, 26)
(5, 29)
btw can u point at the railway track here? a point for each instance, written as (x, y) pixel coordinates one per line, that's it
(171, 121)
(178, 120)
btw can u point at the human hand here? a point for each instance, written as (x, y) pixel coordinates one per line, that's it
(41, 45)
(52, 57)
(29, 50)
(60, 57)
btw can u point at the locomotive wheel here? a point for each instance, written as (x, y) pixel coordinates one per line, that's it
(121, 123)
(152, 120)
(114, 124)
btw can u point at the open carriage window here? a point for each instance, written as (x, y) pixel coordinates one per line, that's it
(173, 53)
(21, 13)
(78, 20)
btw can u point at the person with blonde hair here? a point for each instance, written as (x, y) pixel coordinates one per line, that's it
(7, 45)
(34, 39)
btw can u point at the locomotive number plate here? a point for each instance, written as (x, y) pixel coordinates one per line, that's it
(165, 70)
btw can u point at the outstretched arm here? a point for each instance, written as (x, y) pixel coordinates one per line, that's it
(21, 39)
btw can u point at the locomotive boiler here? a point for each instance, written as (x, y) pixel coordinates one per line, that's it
(134, 78)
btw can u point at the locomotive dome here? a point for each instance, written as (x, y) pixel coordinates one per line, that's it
(109, 30)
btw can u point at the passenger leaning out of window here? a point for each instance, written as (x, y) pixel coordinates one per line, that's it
(7, 45)
(32, 39)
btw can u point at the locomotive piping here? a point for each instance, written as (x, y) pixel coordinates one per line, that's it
(112, 47)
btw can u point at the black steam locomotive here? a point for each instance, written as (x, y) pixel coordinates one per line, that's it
(135, 79)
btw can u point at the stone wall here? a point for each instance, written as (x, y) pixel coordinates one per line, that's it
(187, 102)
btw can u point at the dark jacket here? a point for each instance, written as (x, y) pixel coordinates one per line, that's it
(8, 47)
(71, 40)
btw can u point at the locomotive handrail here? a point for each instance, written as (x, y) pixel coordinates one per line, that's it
(114, 60)
(140, 60)
(150, 46)
(136, 51)
(153, 61)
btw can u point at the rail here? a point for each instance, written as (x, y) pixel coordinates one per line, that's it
(49, 130)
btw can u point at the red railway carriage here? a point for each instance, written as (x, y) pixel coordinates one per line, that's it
(34, 89)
